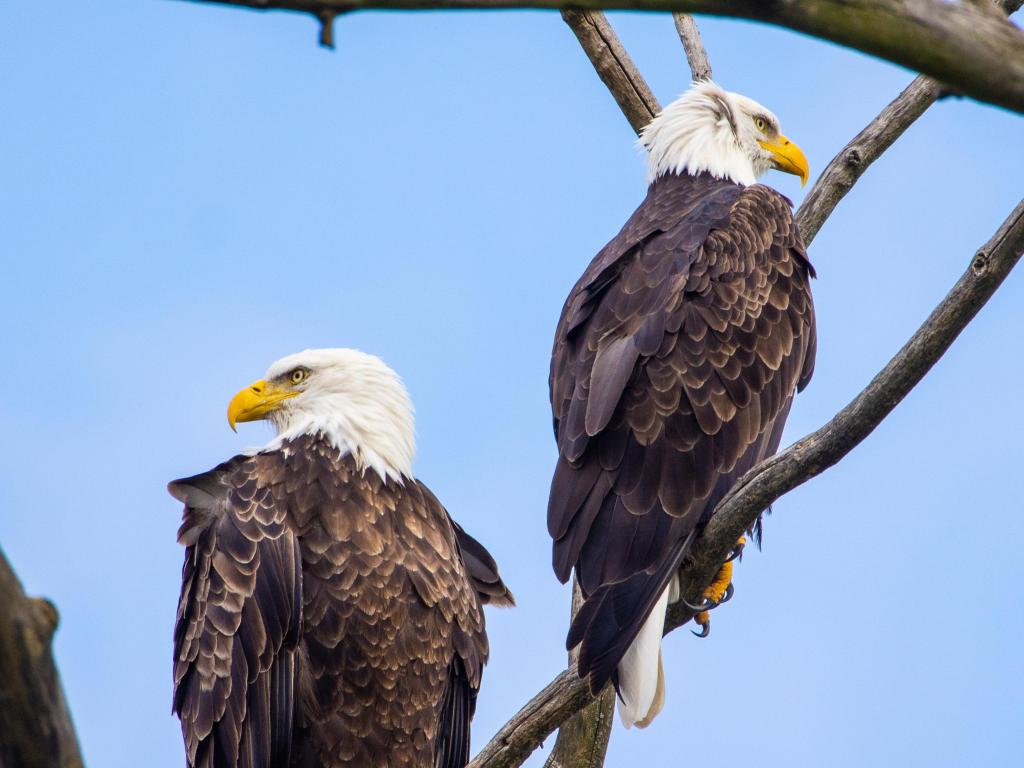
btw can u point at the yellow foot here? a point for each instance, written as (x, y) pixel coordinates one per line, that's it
(737, 551)
(719, 592)
(720, 585)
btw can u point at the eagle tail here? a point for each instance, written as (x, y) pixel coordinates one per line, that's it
(640, 676)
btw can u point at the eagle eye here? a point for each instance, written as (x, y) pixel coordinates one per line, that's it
(760, 123)
(299, 375)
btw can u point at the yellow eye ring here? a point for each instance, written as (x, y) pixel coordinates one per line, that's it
(760, 124)
(299, 375)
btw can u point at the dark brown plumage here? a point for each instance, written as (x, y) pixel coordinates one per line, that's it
(674, 365)
(327, 617)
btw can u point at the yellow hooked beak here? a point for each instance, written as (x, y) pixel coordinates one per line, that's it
(256, 401)
(787, 157)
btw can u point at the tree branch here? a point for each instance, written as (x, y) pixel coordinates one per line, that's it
(614, 66)
(972, 51)
(583, 739)
(696, 55)
(520, 736)
(35, 726)
(780, 474)
(867, 146)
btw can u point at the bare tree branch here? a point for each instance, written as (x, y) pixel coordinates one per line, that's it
(583, 739)
(615, 67)
(972, 51)
(520, 736)
(696, 55)
(35, 726)
(780, 474)
(867, 146)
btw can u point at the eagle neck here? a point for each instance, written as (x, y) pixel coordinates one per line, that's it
(345, 445)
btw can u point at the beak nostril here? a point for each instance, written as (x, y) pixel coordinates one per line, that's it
(257, 390)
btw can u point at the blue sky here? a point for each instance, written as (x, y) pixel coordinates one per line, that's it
(191, 192)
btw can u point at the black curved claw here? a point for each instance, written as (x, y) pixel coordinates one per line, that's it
(728, 594)
(705, 630)
(735, 554)
(707, 605)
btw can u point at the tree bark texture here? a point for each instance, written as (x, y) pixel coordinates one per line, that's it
(614, 66)
(35, 726)
(974, 52)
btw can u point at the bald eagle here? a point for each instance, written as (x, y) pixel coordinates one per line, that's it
(675, 362)
(331, 610)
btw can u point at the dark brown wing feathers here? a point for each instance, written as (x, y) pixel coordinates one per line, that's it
(238, 620)
(674, 364)
(457, 708)
(327, 614)
(482, 570)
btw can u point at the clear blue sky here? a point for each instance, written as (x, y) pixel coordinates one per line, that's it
(191, 192)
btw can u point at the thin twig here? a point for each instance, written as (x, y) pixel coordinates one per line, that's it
(696, 55)
(327, 28)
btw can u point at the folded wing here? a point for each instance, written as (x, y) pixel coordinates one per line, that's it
(675, 362)
(239, 620)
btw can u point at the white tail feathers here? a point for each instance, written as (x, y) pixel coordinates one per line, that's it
(641, 677)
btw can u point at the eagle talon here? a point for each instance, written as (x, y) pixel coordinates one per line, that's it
(737, 551)
(704, 621)
(704, 607)
(729, 591)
